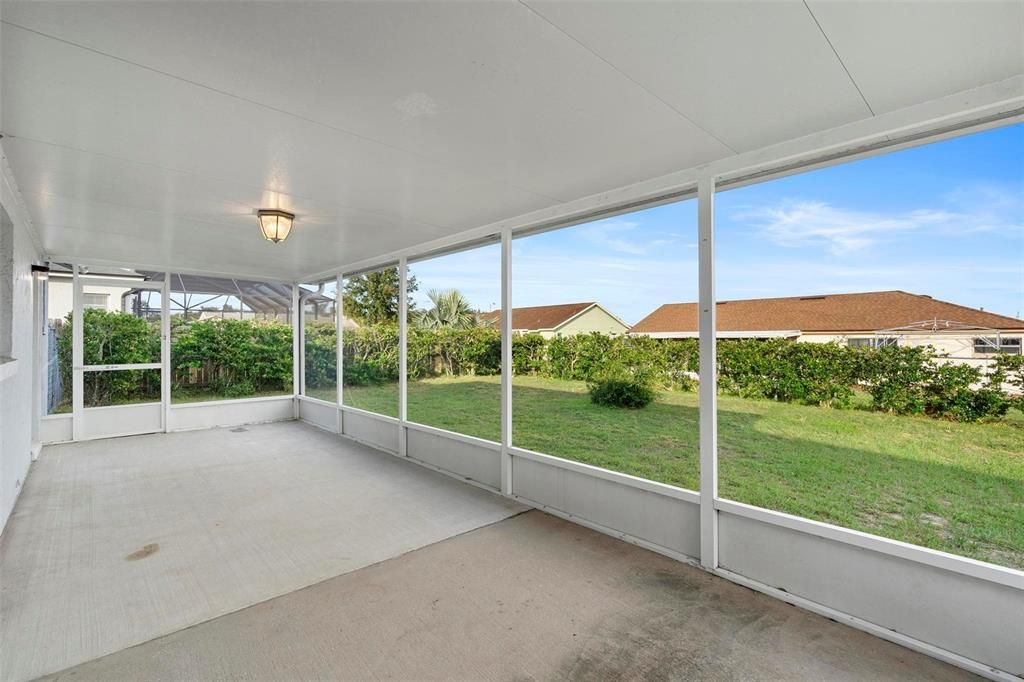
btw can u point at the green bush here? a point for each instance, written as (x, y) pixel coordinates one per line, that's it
(453, 352)
(237, 358)
(366, 373)
(949, 393)
(896, 377)
(321, 359)
(1009, 369)
(111, 338)
(621, 390)
(370, 355)
(233, 357)
(778, 369)
(528, 353)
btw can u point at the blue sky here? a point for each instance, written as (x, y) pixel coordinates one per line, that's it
(945, 219)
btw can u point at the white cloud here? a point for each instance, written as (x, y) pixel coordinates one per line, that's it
(816, 223)
(843, 230)
(622, 237)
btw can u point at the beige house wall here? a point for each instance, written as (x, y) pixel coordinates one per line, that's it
(958, 346)
(595, 319)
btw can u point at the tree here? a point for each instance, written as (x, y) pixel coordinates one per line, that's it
(373, 298)
(451, 310)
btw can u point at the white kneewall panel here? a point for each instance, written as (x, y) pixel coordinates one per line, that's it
(190, 416)
(466, 457)
(121, 420)
(320, 414)
(979, 619)
(376, 430)
(662, 519)
(16, 390)
(55, 429)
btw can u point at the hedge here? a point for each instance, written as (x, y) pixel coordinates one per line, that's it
(236, 357)
(898, 380)
(233, 358)
(113, 339)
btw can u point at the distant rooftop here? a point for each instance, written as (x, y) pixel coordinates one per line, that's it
(853, 312)
(540, 317)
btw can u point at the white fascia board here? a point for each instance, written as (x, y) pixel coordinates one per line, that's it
(771, 334)
(134, 265)
(11, 199)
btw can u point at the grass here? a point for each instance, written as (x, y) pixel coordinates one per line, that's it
(178, 395)
(950, 486)
(183, 395)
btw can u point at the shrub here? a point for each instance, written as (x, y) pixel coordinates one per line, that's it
(896, 377)
(233, 357)
(1009, 369)
(621, 390)
(321, 362)
(360, 373)
(949, 392)
(779, 369)
(529, 352)
(112, 338)
(452, 352)
(371, 354)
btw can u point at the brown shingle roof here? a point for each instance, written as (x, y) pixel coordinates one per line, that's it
(539, 317)
(871, 311)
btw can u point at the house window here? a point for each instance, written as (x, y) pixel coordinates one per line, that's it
(991, 345)
(871, 342)
(95, 301)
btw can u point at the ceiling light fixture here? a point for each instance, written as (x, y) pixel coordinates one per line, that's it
(275, 224)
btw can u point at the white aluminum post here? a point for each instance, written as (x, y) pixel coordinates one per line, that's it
(506, 361)
(165, 351)
(40, 284)
(339, 333)
(403, 374)
(300, 317)
(77, 356)
(708, 376)
(296, 351)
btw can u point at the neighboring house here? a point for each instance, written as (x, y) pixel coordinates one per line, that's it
(857, 319)
(59, 296)
(561, 320)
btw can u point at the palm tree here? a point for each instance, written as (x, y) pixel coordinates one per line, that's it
(451, 310)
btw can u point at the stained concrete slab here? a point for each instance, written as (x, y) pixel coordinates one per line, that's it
(118, 541)
(530, 597)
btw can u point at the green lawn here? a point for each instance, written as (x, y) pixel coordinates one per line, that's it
(950, 486)
(178, 396)
(184, 395)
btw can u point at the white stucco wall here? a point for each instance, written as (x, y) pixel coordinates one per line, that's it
(16, 391)
(60, 295)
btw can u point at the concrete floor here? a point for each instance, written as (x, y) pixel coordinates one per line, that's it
(531, 597)
(116, 542)
(286, 549)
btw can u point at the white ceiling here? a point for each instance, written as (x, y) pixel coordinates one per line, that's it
(149, 132)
